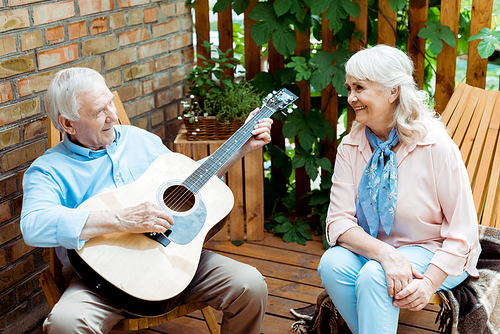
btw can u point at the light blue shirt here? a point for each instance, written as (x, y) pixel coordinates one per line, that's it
(68, 174)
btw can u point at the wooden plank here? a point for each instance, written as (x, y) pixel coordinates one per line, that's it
(417, 16)
(254, 194)
(445, 73)
(492, 198)
(120, 110)
(292, 290)
(387, 20)
(202, 26)
(302, 180)
(311, 247)
(480, 18)
(453, 103)
(252, 50)
(463, 124)
(237, 215)
(452, 122)
(361, 24)
(225, 28)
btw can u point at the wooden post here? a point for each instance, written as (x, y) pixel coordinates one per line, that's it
(387, 20)
(202, 28)
(302, 181)
(446, 64)
(417, 16)
(361, 23)
(252, 50)
(329, 96)
(225, 28)
(477, 67)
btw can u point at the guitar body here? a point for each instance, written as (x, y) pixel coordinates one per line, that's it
(142, 275)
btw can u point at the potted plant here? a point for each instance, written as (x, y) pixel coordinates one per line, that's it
(218, 104)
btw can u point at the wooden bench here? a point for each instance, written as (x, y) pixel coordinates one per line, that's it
(53, 283)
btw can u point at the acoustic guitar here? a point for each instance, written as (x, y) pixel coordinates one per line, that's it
(147, 274)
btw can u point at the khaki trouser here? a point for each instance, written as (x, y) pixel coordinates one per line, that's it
(237, 289)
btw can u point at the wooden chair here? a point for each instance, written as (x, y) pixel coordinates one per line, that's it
(472, 117)
(53, 282)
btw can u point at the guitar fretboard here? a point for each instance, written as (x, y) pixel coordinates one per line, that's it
(216, 161)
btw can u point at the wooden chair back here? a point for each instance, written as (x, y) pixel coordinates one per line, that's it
(53, 283)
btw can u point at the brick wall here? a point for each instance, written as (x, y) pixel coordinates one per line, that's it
(142, 47)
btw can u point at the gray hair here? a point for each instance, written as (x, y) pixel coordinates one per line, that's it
(392, 68)
(64, 89)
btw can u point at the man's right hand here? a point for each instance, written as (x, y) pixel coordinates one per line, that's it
(145, 217)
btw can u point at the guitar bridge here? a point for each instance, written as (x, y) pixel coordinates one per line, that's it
(162, 238)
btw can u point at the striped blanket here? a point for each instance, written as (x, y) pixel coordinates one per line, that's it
(474, 305)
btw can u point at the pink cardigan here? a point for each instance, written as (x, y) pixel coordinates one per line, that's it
(435, 208)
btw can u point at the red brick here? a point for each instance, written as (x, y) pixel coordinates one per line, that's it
(7, 45)
(94, 64)
(133, 36)
(95, 6)
(138, 71)
(151, 14)
(179, 73)
(34, 129)
(160, 132)
(181, 8)
(135, 17)
(27, 266)
(99, 45)
(5, 92)
(31, 40)
(168, 96)
(113, 79)
(54, 35)
(53, 12)
(7, 301)
(22, 155)
(5, 212)
(188, 55)
(77, 30)
(157, 118)
(8, 186)
(142, 123)
(166, 28)
(180, 41)
(119, 58)
(99, 25)
(172, 112)
(10, 232)
(61, 55)
(168, 61)
(6, 279)
(129, 92)
(117, 21)
(186, 23)
(35, 83)
(130, 3)
(3, 261)
(140, 106)
(22, 64)
(160, 80)
(18, 111)
(152, 49)
(20, 175)
(167, 9)
(17, 204)
(14, 19)
(9, 137)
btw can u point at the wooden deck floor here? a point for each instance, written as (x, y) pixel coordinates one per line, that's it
(292, 281)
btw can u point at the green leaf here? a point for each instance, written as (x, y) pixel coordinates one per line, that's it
(397, 5)
(282, 6)
(240, 6)
(262, 32)
(319, 6)
(353, 8)
(263, 82)
(485, 49)
(306, 139)
(222, 5)
(436, 33)
(314, 120)
(311, 170)
(335, 14)
(324, 163)
(284, 40)
(299, 161)
(237, 243)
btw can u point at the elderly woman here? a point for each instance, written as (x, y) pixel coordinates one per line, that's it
(401, 220)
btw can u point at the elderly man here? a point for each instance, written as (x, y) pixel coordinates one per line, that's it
(96, 156)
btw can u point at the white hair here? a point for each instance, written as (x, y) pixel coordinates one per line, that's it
(391, 68)
(64, 89)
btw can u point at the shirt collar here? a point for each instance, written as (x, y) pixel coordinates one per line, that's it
(86, 152)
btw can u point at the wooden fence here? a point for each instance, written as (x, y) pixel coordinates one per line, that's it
(387, 20)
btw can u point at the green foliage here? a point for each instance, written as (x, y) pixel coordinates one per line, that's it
(215, 93)
(488, 41)
(437, 33)
(296, 231)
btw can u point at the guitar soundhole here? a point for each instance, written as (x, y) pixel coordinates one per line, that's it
(179, 198)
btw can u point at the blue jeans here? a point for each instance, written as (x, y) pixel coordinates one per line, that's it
(358, 288)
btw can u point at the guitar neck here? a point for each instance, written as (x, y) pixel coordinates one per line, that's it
(225, 152)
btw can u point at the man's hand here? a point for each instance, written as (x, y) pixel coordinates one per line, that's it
(261, 135)
(145, 217)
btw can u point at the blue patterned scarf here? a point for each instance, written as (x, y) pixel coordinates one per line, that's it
(378, 188)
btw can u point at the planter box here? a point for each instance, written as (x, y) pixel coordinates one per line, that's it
(246, 180)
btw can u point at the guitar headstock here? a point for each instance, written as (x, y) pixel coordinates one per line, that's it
(278, 101)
